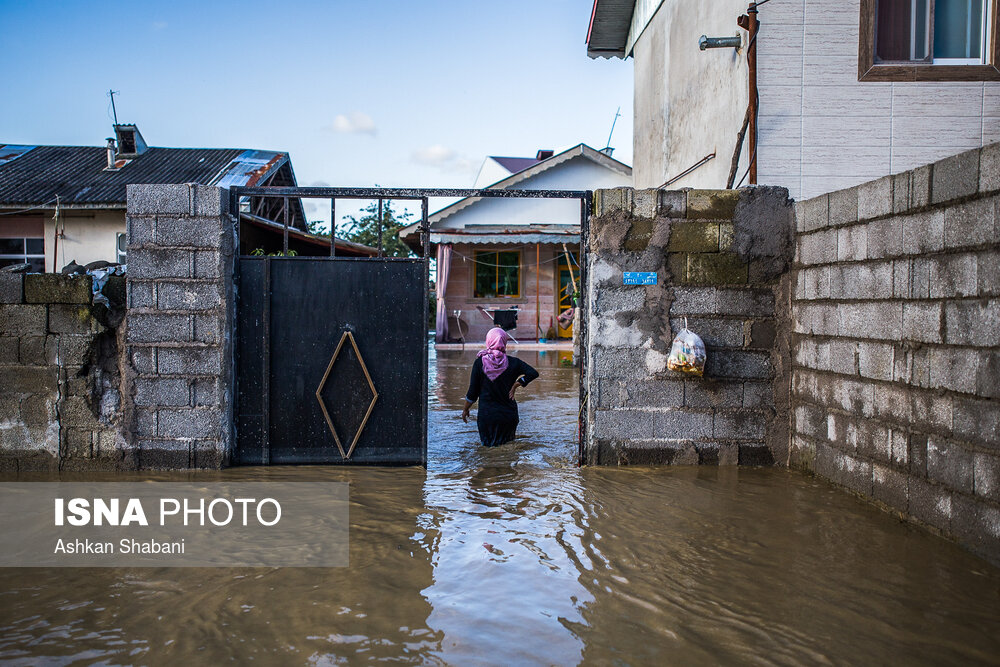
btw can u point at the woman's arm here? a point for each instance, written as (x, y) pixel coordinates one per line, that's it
(527, 374)
(475, 386)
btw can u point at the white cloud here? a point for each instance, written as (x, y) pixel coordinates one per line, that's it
(443, 158)
(355, 122)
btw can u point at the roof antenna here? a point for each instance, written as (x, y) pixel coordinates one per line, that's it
(607, 149)
(111, 94)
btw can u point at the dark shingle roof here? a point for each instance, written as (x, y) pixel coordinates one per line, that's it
(77, 173)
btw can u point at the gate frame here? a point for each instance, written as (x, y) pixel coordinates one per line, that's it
(422, 195)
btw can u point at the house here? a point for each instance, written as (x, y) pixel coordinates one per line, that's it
(60, 204)
(844, 92)
(505, 254)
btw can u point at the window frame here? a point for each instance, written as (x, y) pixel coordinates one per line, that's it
(120, 254)
(477, 262)
(869, 70)
(25, 257)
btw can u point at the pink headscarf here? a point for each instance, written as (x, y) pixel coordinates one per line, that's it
(495, 355)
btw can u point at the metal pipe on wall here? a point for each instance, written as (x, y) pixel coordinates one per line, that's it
(538, 294)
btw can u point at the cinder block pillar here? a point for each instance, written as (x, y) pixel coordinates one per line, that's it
(181, 253)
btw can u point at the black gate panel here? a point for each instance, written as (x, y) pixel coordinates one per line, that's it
(331, 361)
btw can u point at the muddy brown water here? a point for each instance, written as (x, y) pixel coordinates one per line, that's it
(514, 555)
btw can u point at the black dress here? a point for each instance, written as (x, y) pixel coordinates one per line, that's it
(497, 417)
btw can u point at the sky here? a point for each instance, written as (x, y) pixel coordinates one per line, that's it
(395, 94)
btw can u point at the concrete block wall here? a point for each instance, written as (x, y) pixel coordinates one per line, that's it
(896, 344)
(181, 244)
(60, 380)
(718, 256)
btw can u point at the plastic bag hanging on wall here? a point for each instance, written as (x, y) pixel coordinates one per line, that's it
(687, 353)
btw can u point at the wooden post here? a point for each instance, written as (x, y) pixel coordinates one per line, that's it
(752, 28)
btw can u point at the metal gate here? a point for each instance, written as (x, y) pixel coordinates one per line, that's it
(331, 352)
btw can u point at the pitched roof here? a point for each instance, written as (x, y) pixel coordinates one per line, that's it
(32, 175)
(515, 164)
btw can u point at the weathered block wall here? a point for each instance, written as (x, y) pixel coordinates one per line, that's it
(719, 256)
(180, 299)
(60, 379)
(896, 344)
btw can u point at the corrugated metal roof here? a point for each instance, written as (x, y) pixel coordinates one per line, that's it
(515, 164)
(78, 175)
(610, 22)
(10, 152)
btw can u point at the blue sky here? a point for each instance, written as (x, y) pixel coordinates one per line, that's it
(360, 93)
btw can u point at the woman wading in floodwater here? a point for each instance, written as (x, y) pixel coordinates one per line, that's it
(495, 379)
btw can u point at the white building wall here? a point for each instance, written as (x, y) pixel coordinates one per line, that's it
(821, 129)
(89, 236)
(688, 103)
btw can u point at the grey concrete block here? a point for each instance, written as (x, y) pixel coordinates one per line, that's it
(672, 204)
(901, 279)
(145, 199)
(920, 186)
(844, 206)
(78, 443)
(40, 350)
(201, 232)
(875, 198)
(210, 200)
(164, 454)
(901, 192)
(713, 332)
(956, 176)
(953, 275)
(75, 411)
(143, 359)
(9, 353)
(139, 231)
(811, 421)
(922, 322)
(209, 454)
(855, 474)
(890, 487)
(757, 395)
(885, 237)
(145, 422)
(880, 320)
(977, 421)
(875, 360)
(745, 364)
(931, 412)
(28, 379)
(917, 454)
(986, 474)
(189, 361)
(38, 410)
(950, 464)
(140, 294)
(618, 363)
(156, 327)
(818, 247)
(72, 319)
(11, 287)
(899, 448)
(206, 392)
(159, 263)
(816, 282)
(622, 300)
(736, 302)
(954, 369)
(989, 168)
(988, 373)
(930, 503)
(208, 328)
(57, 288)
(653, 393)
(988, 273)
(195, 423)
(872, 280)
(852, 243)
(820, 319)
(19, 319)
(812, 213)
(162, 392)
(644, 203)
(187, 295)
(648, 424)
(722, 394)
(973, 322)
(209, 264)
(923, 232)
(971, 223)
(920, 278)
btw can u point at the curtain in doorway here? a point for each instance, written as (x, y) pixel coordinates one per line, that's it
(443, 268)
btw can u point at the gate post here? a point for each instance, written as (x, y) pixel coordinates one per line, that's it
(181, 254)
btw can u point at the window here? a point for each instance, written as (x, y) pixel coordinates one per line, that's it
(498, 274)
(928, 40)
(121, 249)
(23, 251)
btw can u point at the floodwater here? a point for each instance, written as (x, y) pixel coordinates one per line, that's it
(514, 555)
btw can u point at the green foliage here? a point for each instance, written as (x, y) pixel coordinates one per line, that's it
(259, 252)
(317, 227)
(364, 229)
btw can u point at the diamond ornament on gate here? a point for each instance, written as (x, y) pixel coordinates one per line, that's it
(367, 386)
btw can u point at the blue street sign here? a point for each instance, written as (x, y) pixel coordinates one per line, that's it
(639, 277)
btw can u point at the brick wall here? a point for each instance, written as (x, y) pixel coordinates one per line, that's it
(60, 380)
(180, 299)
(896, 344)
(718, 256)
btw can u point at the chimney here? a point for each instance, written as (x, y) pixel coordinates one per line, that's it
(130, 141)
(111, 153)
(543, 154)
(608, 150)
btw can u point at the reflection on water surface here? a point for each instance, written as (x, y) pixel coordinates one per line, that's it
(513, 555)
